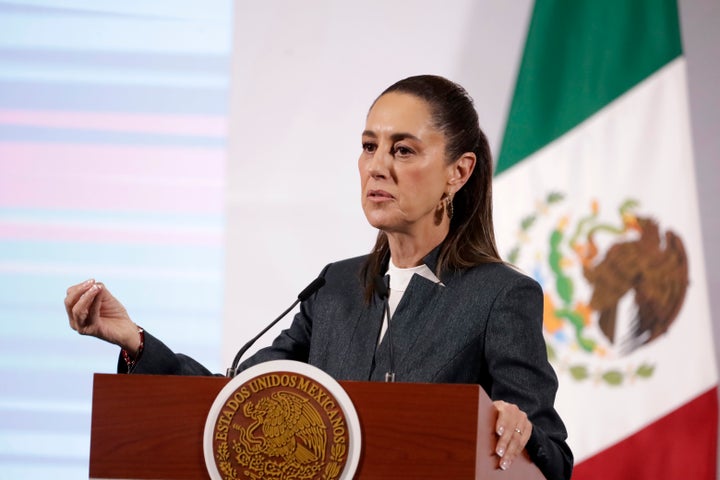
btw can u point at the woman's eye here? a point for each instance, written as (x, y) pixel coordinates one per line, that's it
(369, 147)
(402, 151)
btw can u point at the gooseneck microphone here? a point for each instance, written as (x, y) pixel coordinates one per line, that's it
(302, 296)
(382, 289)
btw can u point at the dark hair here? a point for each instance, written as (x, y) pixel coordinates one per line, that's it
(471, 239)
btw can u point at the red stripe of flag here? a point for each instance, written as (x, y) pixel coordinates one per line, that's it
(680, 445)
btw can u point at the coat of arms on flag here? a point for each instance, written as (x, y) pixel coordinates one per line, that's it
(612, 284)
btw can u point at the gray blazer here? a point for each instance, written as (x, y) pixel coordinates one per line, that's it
(481, 325)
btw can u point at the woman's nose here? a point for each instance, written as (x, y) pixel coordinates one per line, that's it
(378, 167)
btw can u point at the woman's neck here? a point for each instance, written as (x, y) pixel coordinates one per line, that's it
(409, 250)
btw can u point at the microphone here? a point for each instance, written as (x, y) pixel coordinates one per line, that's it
(302, 296)
(384, 293)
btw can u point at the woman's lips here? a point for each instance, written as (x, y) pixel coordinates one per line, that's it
(379, 195)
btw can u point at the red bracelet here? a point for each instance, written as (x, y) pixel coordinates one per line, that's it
(126, 356)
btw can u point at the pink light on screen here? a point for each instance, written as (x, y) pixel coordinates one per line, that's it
(116, 177)
(138, 234)
(197, 125)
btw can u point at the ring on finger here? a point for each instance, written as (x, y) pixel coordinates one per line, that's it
(517, 430)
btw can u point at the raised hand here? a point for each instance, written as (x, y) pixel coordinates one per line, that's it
(93, 310)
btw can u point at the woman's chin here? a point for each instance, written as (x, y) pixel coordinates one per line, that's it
(385, 219)
(380, 222)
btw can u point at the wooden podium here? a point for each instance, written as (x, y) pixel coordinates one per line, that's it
(151, 427)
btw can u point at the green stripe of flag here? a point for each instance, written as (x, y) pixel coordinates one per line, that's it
(579, 56)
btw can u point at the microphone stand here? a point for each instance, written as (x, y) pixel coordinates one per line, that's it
(302, 296)
(384, 293)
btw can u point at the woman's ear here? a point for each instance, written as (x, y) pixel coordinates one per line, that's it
(460, 171)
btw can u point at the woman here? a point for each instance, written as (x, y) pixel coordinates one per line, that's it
(458, 313)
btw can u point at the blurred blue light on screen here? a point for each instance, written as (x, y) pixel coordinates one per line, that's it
(84, 84)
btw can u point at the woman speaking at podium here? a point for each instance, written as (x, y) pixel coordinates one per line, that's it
(432, 302)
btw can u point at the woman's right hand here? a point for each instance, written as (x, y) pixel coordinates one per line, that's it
(93, 310)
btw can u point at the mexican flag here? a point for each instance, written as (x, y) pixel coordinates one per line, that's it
(595, 198)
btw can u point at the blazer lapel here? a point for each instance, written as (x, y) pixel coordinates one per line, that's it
(413, 317)
(357, 360)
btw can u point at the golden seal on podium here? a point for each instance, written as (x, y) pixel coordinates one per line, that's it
(282, 420)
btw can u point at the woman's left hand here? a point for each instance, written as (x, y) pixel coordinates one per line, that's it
(513, 429)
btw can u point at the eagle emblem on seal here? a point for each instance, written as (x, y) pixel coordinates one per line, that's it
(291, 429)
(282, 420)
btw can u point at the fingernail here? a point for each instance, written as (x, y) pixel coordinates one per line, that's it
(500, 452)
(504, 465)
(88, 282)
(500, 430)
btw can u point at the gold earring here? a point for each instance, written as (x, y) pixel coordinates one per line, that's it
(449, 206)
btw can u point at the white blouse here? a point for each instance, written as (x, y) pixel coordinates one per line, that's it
(399, 280)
